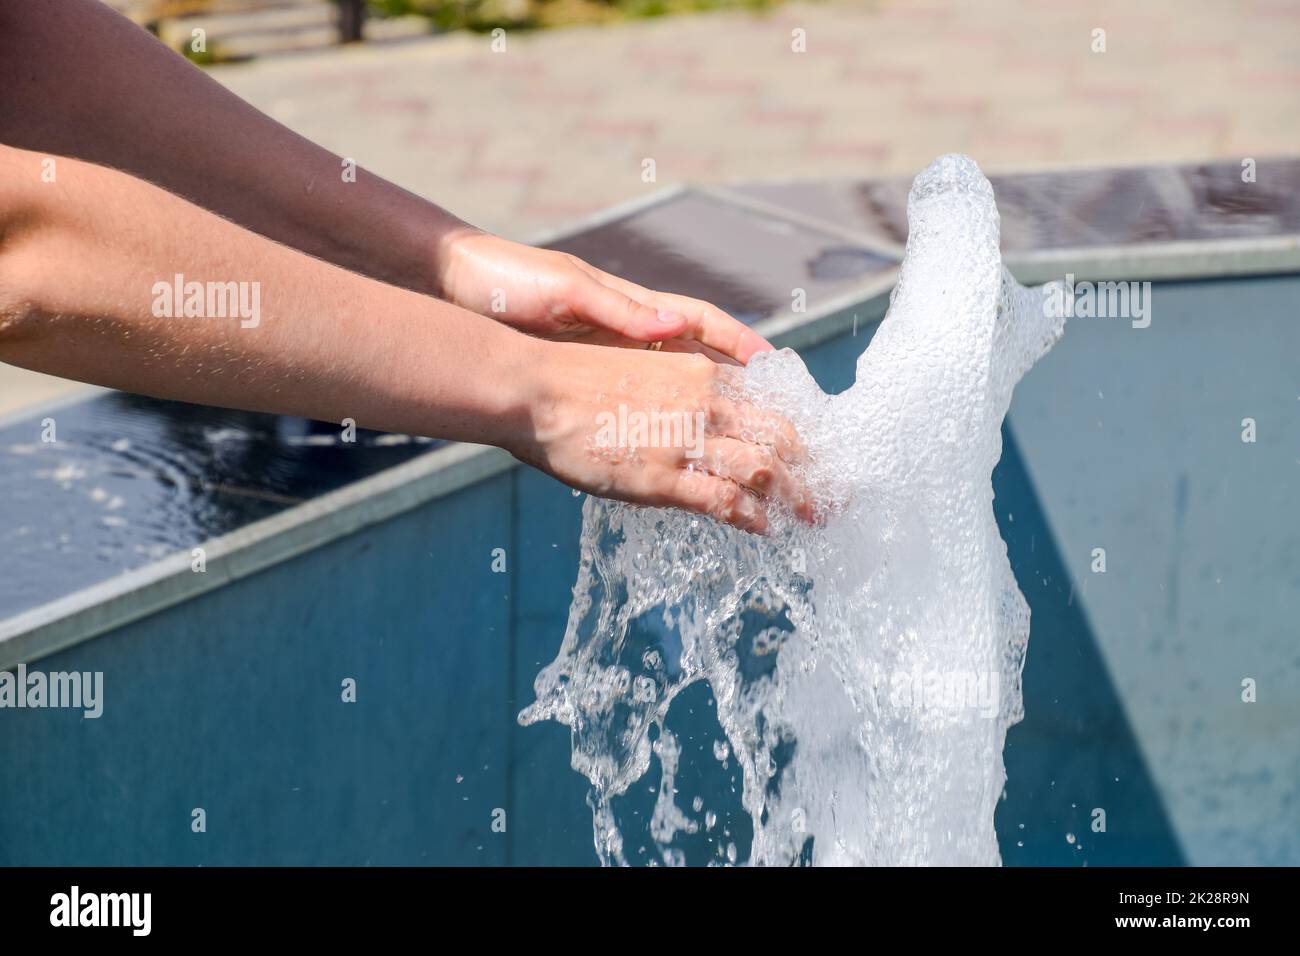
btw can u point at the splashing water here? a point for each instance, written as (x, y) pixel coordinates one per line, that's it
(864, 671)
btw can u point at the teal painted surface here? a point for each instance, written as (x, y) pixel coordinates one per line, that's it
(1132, 442)
(232, 702)
(550, 821)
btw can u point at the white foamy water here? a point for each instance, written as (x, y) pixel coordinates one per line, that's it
(864, 671)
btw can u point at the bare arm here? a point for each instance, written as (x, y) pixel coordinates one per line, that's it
(80, 261)
(83, 260)
(77, 79)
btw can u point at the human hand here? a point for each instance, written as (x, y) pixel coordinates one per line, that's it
(701, 447)
(558, 296)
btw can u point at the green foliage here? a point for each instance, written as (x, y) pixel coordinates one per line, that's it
(485, 15)
(205, 57)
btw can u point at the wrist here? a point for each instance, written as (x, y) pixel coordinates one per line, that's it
(540, 407)
(519, 387)
(453, 269)
(416, 238)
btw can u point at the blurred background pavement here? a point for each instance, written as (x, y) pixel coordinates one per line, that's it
(561, 123)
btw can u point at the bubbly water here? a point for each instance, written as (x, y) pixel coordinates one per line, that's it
(864, 671)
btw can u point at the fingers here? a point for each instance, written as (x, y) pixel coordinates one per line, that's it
(697, 348)
(749, 424)
(720, 499)
(710, 326)
(753, 449)
(678, 345)
(695, 441)
(730, 480)
(705, 323)
(758, 469)
(608, 308)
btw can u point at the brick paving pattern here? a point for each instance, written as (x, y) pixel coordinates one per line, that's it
(558, 125)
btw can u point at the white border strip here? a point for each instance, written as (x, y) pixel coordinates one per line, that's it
(1194, 259)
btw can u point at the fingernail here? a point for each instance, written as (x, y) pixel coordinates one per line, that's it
(669, 318)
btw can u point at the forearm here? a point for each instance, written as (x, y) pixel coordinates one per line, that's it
(84, 260)
(77, 79)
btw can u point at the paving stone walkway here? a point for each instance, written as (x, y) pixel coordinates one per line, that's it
(560, 123)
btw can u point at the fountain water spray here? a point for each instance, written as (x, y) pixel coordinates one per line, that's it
(865, 671)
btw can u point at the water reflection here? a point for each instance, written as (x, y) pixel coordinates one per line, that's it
(128, 480)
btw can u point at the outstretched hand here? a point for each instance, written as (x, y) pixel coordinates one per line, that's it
(558, 296)
(707, 449)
